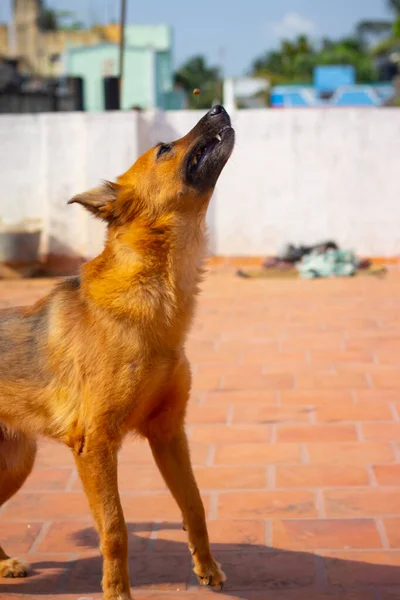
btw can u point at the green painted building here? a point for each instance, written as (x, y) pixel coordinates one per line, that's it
(148, 69)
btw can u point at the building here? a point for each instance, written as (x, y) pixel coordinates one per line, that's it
(333, 86)
(93, 54)
(245, 92)
(148, 80)
(43, 50)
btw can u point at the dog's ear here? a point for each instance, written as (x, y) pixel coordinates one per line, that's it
(99, 201)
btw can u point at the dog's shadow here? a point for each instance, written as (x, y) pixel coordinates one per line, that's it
(157, 562)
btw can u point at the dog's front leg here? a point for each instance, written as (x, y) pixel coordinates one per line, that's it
(173, 460)
(97, 467)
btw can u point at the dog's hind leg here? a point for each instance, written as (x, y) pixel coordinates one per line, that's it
(17, 456)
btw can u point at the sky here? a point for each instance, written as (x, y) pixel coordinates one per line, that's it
(230, 33)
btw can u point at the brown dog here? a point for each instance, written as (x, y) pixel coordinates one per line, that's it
(103, 353)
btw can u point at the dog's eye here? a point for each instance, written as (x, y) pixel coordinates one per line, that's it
(163, 149)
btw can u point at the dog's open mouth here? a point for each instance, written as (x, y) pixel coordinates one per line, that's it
(205, 149)
(211, 144)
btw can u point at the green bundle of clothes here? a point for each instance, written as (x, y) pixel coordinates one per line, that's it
(331, 263)
(314, 262)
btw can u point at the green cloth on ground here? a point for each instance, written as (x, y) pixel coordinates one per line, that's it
(332, 263)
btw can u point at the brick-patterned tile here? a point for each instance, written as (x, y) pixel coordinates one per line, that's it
(221, 434)
(49, 574)
(276, 504)
(362, 502)
(225, 535)
(17, 538)
(268, 571)
(323, 534)
(219, 478)
(46, 507)
(135, 453)
(313, 594)
(387, 474)
(348, 411)
(165, 571)
(257, 454)
(141, 478)
(391, 594)
(363, 569)
(316, 433)
(387, 380)
(341, 356)
(332, 381)
(270, 414)
(139, 453)
(239, 397)
(199, 414)
(78, 537)
(321, 341)
(316, 397)
(321, 476)
(350, 454)
(381, 432)
(273, 361)
(377, 395)
(293, 426)
(48, 480)
(268, 381)
(148, 506)
(51, 454)
(392, 528)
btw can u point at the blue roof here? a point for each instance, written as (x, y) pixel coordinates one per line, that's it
(329, 78)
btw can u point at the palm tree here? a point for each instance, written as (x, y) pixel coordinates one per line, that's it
(295, 61)
(51, 19)
(394, 6)
(390, 43)
(372, 28)
(380, 28)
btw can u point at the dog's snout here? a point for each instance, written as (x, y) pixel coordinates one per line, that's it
(216, 110)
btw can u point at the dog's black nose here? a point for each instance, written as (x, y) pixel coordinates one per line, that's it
(216, 110)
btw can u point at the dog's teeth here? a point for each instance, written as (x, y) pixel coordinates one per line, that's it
(219, 138)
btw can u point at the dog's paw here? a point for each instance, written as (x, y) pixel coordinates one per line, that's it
(12, 567)
(211, 575)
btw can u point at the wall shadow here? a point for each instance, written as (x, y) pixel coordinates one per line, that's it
(254, 571)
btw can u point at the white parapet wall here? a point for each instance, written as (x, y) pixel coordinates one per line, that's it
(298, 176)
(48, 158)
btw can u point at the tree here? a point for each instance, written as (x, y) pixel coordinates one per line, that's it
(391, 43)
(294, 62)
(366, 29)
(56, 20)
(195, 73)
(394, 6)
(374, 29)
(349, 51)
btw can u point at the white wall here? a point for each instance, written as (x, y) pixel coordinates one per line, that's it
(295, 176)
(307, 175)
(46, 159)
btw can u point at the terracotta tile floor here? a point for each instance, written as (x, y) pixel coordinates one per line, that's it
(294, 427)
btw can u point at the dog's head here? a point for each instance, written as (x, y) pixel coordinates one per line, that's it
(171, 177)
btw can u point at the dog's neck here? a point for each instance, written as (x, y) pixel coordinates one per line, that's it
(149, 274)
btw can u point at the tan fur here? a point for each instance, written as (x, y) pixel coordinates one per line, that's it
(17, 456)
(103, 355)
